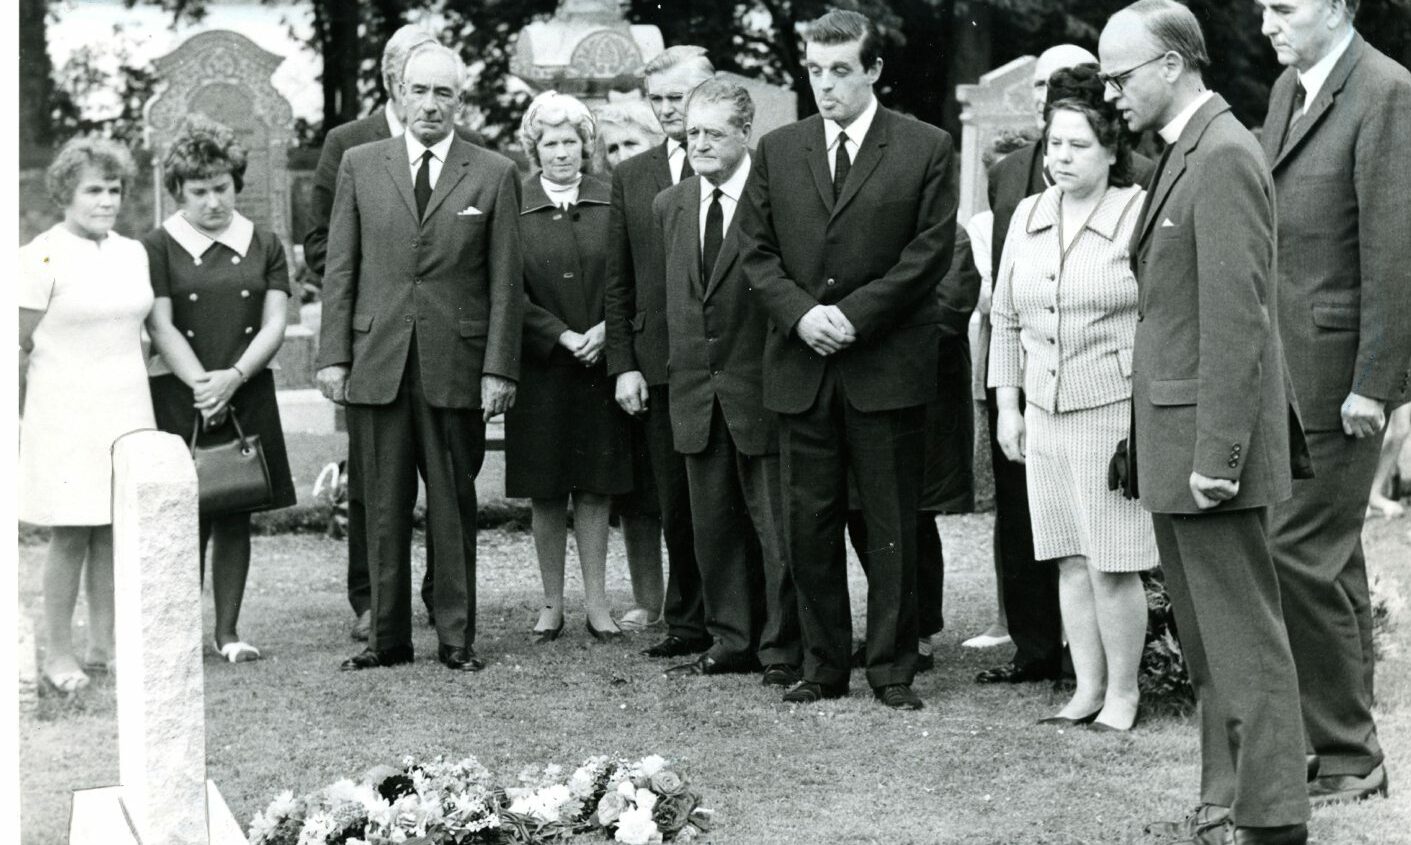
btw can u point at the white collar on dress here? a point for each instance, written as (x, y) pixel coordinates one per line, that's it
(237, 235)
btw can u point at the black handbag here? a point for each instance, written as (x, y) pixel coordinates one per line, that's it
(231, 477)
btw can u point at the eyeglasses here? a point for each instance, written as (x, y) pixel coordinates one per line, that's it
(1117, 80)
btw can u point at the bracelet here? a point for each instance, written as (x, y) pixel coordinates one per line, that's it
(243, 378)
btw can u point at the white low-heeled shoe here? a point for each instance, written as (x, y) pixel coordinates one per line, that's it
(237, 652)
(986, 641)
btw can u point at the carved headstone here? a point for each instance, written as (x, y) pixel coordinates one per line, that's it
(1001, 101)
(582, 48)
(227, 77)
(774, 105)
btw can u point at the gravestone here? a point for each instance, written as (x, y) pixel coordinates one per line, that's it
(1003, 100)
(226, 77)
(774, 105)
(582, 48)
(164, 797)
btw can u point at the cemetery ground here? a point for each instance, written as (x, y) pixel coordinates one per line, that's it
(970, 768)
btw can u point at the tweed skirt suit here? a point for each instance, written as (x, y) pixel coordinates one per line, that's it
(1064, 322)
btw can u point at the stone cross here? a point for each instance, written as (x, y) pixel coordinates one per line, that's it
(1002, 100)
(226, 77)
(164, 797)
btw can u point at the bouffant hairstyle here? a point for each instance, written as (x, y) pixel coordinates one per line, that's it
(631, 115)
(107, 157)
(554, 109)
(203, 150)
(843, 26)
(1078, 89)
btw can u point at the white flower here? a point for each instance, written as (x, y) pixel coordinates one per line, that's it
(581, 783)
(627, 790)
(543, 804)
(317, 828)
(649, 765)
(635, 827)
(646, 800)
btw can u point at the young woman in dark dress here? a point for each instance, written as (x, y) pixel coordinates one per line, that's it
(221, 286)
(565, 435)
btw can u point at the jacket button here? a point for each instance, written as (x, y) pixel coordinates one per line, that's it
(1052, 341)
(235, 259)
(244, 294)
(190, 333)
(1234, 464)
(408, 318)
(568, 275)
(416, 281)
(415, 242)
(1140, 316)
(194, 297)
(1052, 309)
(832, 281)
(249, 330)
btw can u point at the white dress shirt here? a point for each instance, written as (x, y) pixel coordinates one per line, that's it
(1171, 132)
(730, 193)
(675, 159)
(438, 155)
(857, 131)
(393, 124)
(1316, 76)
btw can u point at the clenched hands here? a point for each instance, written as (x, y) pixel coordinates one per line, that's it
(826, 330)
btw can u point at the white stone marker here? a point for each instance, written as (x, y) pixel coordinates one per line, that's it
(161, 698)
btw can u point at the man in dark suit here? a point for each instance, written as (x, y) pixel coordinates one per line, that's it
(1338, 117)
(421, 331)
(635, 306)
(1213, 420)
(730, 442)
(385, 122)
(849, 221)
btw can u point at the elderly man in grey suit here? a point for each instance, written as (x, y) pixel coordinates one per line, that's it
(1212, 421)
(730, 441)
(1338, 126)
(423, 312)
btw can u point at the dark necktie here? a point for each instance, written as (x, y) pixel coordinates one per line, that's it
(423, 184)
(1300, 97)
(714, 236)
(841, 165)
(686, 170)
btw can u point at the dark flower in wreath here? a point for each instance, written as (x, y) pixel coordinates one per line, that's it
(667, 782)
(395, 786)
(672, 812)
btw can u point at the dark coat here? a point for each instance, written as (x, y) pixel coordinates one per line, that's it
(1209, 390)
(454, 276)
(876, 253)
(716, 331)
(636, 287)
(1345, 234)
(338, 141)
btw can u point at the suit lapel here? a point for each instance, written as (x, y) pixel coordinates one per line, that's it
(869, 155)
(452, 172)
(1324, 101)
(401, 172)
(691, 214)
(729, 251)
(1277, 121)
(662, 171)
(1176, 163)
(817, 155)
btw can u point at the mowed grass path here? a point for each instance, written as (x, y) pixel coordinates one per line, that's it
(970, 768)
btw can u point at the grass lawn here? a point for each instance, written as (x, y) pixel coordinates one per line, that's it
(970, 768)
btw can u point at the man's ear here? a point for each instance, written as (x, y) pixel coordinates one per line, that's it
(876, 70)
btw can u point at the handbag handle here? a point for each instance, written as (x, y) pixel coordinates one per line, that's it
(239, 432)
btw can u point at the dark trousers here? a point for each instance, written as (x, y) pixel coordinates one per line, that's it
(359, 581)
(1030, 589)
(1316, 540)
(1225, 597)
(685, 607)
(395, 443)
(885, 451)
(930, 568)
(750, 607)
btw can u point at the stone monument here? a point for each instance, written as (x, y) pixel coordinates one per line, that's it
(1002, 100)
(226, 77)
(164, 797)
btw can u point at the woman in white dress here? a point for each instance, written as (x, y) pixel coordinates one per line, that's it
(83, 294)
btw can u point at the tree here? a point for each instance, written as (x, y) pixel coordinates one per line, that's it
(36, 79)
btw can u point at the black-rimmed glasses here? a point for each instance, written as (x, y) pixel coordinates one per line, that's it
(1117, 80)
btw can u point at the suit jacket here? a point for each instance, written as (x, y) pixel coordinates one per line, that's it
(876, 253)
(635, 296)
(339, 140)
(716, 332)
(454, 278)
(1344, 233)
(1208, 378)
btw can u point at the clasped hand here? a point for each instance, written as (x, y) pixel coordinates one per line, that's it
(1363, 417)
(587, 346)
(826, 330)
(212, 391)
(1209, 492)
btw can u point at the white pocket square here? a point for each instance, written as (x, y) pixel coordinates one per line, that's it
(1165, 224)
(469, 211)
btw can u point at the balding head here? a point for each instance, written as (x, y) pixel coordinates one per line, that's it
(394, 55)
(1058, 57)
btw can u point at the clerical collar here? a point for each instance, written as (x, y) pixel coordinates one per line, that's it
(1171, 132)
(236, 237)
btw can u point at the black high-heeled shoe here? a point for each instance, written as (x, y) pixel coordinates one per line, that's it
(1068, 722)
(540, 636)
(1103, 727)
(602, 636)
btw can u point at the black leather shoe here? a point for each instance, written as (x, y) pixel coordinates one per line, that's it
(1293, 834)
(369, 659)
(1313, 764)
(808, 692)
(607, 635)
(1342, 789)
(459, 658)
(674, 646)
(1208, 820)
(925, 662)
(1066, 722)
(707, 665)
(539, 637)
(1013, 673)
(898, 697)
(780, 675)
(362, 627)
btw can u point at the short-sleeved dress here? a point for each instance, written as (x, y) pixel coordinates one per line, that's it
(87, 381)
(217, 299)
(565, 432)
